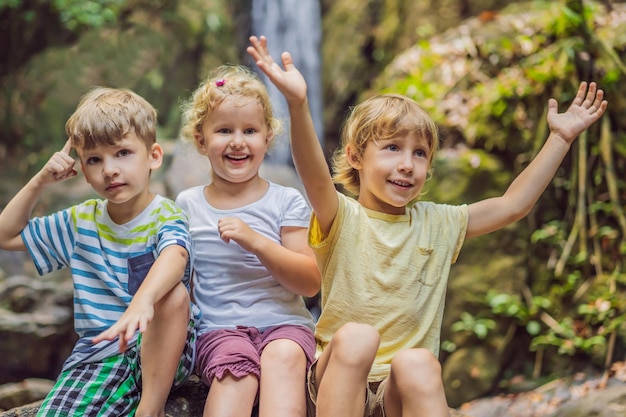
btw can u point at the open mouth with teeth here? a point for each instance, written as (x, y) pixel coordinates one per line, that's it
(400, 183)
(237, 157)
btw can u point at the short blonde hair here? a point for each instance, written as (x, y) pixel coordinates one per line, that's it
(379, 118)
(106, 115)
(225, 81)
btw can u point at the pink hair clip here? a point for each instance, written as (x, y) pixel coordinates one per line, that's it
(220, 82)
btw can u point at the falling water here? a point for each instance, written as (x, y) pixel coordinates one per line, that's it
(294, 26)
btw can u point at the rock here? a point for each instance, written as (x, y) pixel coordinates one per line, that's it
(187, 401)
(14, 395)
(576, 396)
(609, 402)
(463, 382)
(36, 327)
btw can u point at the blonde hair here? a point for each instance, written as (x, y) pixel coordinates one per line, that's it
(106, 115)
(379, 118)
(234, 81)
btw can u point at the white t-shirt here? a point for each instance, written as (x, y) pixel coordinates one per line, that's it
(231, 285)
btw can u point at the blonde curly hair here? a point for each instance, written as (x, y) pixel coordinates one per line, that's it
(225, 81)
(376, 119)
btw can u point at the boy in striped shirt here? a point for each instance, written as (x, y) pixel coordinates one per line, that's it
(129, 254)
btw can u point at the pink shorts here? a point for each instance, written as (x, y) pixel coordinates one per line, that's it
(238, 351)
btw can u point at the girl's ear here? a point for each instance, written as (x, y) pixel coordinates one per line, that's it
(156, 156)
(199, 140)
(269, 138)
(353, 159)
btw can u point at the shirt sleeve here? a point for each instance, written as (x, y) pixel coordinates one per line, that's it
(50, 240)
(175, 231)
(296, 211)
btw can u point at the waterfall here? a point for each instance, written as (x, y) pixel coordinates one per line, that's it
(293, 26)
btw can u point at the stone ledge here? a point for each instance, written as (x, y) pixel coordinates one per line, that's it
(187, 401)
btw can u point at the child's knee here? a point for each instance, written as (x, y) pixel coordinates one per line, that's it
(176, 301)
(355, 342)
(284, 353)
(417, 369)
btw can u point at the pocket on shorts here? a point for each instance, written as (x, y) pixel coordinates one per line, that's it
(138, 268)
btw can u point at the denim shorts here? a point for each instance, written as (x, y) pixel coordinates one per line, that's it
(238, 351)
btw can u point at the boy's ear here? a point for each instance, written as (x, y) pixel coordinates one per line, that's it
(353, 159)
(156, 156)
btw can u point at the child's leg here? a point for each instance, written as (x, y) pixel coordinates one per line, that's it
(161, 349)
(342, 369)
(231, 396)
(228, 361)
(283, 376)
(415, 386)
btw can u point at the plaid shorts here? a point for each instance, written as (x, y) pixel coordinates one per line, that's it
(111, 387)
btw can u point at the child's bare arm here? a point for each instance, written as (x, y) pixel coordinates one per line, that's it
(494, 213)
(307, 153)
(16, 214)
(291, 263)
(166, 272)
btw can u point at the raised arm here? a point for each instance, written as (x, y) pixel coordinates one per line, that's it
(492, 214)
(16, 214)
(307, 153)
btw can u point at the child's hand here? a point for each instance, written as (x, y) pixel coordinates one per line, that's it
(587, 107)
(290, 81)
(233, 228)
(59, 167)
(137, 316)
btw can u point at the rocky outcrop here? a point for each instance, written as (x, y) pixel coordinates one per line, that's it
(36, 327)
(187, 401)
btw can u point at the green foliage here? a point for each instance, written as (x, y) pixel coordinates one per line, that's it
(10, 4)
(480, 327)
(493, 91)
(77, 14)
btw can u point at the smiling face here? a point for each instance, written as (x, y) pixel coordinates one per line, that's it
(121, 173)
(235, 138)
(392, 172)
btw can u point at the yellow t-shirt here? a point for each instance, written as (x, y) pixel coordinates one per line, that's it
(388, 271)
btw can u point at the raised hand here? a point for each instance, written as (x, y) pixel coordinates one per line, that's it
(59, 167)
(588, 106)
(289, 81)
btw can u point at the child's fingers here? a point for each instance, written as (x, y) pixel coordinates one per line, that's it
(598, 99)
(287, 61)
(130, 331)
(123, 344)
(67, 148)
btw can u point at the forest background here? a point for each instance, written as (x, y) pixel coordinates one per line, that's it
(540, 299)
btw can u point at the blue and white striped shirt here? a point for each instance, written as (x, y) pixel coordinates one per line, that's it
(100, 254)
